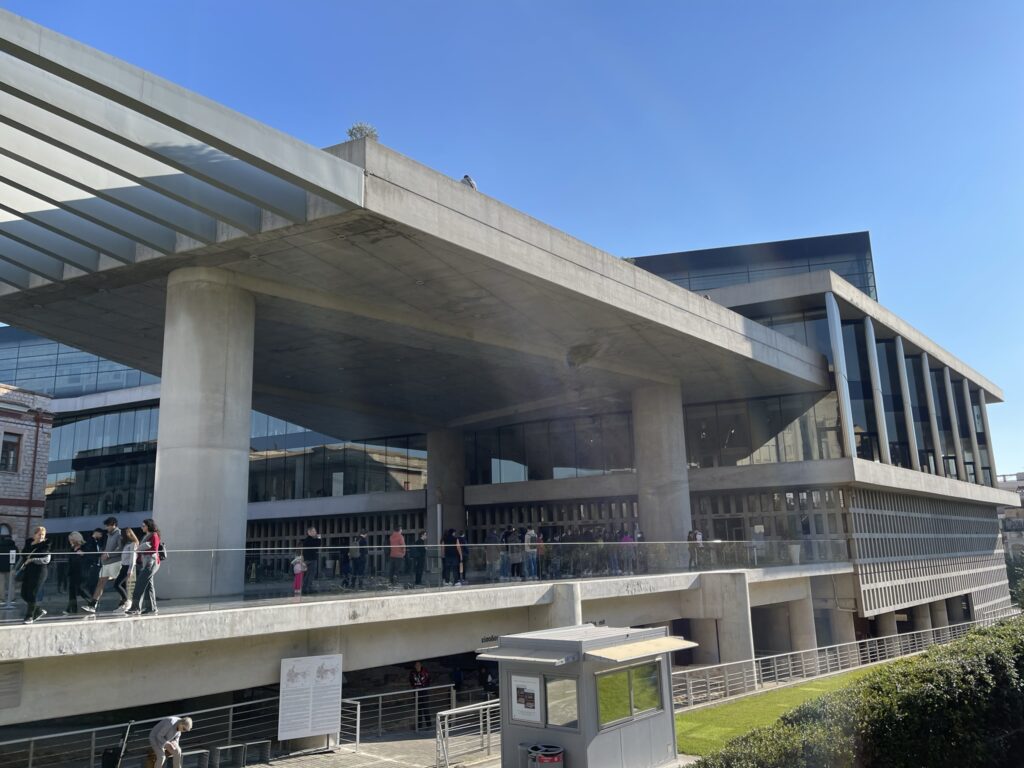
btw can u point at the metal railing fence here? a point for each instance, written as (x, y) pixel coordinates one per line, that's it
(467, 730)
(695, 687)
(241, 723)
(402, 711)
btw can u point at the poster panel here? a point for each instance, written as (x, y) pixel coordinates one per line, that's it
(310, 701)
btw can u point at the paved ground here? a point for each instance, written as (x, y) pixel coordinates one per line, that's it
(409, 752)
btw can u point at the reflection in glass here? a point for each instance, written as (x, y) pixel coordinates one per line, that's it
(613, 697)
(563, 708)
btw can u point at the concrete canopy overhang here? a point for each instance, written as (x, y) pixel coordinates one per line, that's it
(389, 298)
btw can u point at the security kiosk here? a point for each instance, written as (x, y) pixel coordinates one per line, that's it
(587, 696)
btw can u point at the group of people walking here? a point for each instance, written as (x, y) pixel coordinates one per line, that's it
(110, 555)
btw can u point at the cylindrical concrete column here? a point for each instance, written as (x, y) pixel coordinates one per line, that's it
(933, 419)
(885, 624)
(835, 332)
(871, 344)
(202, 457)
(446, 473)
(908, 405)
(938, 613)
(921, 616)
(988, 438)
(972, 430)
(954, 423)
(705, 634)
(566, 605)
(955, 610)
(802, 636)
(663, 487)
(843, 630)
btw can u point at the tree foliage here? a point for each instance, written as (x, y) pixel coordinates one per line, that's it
(962, 702)
(362, 131)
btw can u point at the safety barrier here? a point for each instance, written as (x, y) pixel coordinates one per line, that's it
(468, 730)
(695, 687)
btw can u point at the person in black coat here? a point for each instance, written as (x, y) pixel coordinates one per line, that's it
(76, 568)
(36, 559)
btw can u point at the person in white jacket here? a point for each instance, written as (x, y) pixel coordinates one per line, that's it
(163, 739)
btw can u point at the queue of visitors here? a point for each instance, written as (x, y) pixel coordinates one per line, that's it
(110, 556)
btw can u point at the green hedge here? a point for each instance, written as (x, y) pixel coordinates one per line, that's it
(959, 704)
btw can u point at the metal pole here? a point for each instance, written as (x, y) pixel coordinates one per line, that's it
(92, 749)
(231, 721)
(380, 715)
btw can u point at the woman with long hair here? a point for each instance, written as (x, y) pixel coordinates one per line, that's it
(130, 545)
(37, 558)
(148, 565)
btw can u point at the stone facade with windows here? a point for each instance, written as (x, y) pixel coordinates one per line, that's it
(25, 424)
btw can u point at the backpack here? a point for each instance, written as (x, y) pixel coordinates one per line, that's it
(161, 552)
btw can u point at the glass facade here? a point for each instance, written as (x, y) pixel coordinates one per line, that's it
(106, 463)
(809, 328)
(289, 462)
(58, 370)
(550, 450)
(965, 431)
(765, 430)
(816, 516)
(917, 382)
(862, 403)
(947, 449)
(983, 448)
(102, 464)
(892, 402)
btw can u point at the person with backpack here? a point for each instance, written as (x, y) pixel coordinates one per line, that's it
(148, 564)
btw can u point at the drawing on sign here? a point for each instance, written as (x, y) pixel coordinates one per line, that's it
(526, 698)
(310, 700)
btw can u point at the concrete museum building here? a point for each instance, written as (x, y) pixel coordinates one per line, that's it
(244, 335)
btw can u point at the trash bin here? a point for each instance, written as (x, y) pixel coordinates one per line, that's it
(545, 754)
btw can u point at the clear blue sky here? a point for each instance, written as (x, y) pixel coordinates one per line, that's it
(659, 126)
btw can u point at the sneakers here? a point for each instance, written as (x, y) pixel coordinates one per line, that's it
(29, 620)
(69, 613)
(153, 612)
(133, 612)
(89, 608)
(122, 608)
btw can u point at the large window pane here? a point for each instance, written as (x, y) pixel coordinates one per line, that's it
(734, 434)
(646, 680)
(701, 436)
(613, 697)
(589, 447)
(765, 425)
(538, 451)
(563, 708)
(563, 449)
(512, 466)
(618, 442)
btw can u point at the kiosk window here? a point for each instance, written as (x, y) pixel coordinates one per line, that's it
(623, 694)
(560, 695)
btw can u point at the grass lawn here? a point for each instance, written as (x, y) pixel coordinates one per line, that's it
(706, 730)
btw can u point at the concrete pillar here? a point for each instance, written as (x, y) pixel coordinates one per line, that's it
(939, 617)
(954, 422)
(876, 390)
(802, 636)
(921, 616)
(446, 474)
(705, 633)
(663, 487)
(564, 610)
(972, 430)
(908, 410)
(988, 436)
(933, 419)
(955, 610)
(843, 630)
(202, 458)
(835, 332)
(885, 624)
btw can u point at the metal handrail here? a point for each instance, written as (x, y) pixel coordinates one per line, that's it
(464, 730)
(697, 687)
